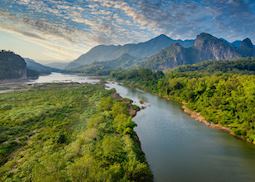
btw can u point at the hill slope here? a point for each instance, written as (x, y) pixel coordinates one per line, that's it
(104, 68)
(12, 66)
(41, 69)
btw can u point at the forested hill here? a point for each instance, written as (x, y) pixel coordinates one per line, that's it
(242, 65)
(223, 93)
(12, 66)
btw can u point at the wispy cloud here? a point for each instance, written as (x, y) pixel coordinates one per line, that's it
(70, 28)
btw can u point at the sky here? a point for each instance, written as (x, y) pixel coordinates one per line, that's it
(62, 30)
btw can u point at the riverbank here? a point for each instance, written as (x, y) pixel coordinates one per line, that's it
(198, 117)
(193, 114)
(169, 140)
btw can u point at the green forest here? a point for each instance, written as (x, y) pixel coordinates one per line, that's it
(223, 92)
(69, 132)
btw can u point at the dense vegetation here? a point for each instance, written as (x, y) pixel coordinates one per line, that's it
(244, 65)
(139, 77)
(222, 98)
(69, 132)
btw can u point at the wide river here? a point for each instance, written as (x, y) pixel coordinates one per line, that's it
(177, 147)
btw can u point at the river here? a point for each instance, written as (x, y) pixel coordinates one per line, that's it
(177, 147)
(180, 149)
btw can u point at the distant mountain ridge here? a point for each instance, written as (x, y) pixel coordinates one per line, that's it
(163, 52)
(206, 47)
(103, 53)
(103, 68)
(41, 69)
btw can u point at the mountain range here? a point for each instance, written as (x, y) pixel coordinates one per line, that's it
(39, 68)
(206, 47)
(103, 53)
(161, 53)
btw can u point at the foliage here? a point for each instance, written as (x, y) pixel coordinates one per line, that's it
(241, 65)
(222, 98)
(68, 132)
(145, 78)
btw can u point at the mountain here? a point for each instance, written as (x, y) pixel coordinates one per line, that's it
(103, 53)
(236, 43)
(206, 47)
(104, 68)
(58, 65)
(170, 57)
(12, 67)
(39, 68)
(210, 47)
(161, 53)
(246, 48)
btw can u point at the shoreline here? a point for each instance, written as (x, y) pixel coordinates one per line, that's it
(198, 117)
(133, 110)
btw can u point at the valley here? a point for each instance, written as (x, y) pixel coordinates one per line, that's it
(162, 127)
(127, 91)
(129, 113)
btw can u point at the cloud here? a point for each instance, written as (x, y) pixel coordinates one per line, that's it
(73, 27)
(185, 19)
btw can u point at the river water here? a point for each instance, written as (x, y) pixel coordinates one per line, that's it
(177, 147)
(180, 149)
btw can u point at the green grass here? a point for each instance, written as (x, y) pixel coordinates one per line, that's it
(68, 132)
